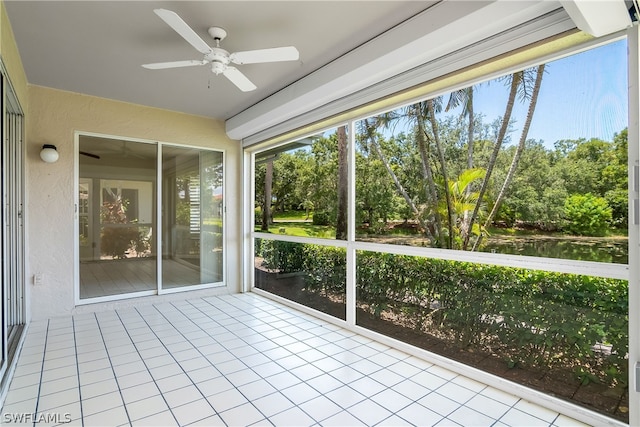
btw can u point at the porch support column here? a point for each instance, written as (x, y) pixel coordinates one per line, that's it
(351, 227)
(634, 224)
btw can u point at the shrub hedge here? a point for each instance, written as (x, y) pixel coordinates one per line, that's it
(528, 317)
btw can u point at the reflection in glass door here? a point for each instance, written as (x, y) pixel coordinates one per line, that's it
(116, 216)
(192, 209)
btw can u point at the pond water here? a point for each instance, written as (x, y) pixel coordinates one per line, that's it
(592, 249)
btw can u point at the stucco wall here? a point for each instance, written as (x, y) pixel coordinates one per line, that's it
(54, 117)
(11, 58)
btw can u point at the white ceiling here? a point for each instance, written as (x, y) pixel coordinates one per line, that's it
(97, 47)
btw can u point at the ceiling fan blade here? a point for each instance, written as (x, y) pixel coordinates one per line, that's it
(239, 79)
(173, 64)
(84, 153)
(276, 54)
(174, 21)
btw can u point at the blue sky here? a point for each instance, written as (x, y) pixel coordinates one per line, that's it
(582, 96)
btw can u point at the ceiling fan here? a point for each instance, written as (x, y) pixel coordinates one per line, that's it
(86, 153)
(218, 57)
(119, 150)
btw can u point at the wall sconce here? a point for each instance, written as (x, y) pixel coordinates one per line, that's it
(49, 153)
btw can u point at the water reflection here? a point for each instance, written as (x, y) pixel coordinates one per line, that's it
(601, 250)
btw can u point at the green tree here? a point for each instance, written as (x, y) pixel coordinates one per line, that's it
(587, 214)
(537, 194)
(616, 180)
(376, 199)
(581, 164)
(463, 200)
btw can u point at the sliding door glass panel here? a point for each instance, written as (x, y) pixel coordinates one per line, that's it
(192, 208)
(117, 215)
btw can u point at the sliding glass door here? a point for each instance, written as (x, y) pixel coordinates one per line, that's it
(193, 216)
(12, 234)
(119, 217)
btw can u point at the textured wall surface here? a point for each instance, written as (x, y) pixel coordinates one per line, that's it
(11, 58)
(54, 118)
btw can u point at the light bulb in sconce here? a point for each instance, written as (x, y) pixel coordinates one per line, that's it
(49, 153)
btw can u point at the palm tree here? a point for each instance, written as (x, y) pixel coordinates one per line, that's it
(370, 126)
(421, 113)
(416, 112)
(431, 114)
(463, 199)
(515, 80)
(516, 156)
(464, 97)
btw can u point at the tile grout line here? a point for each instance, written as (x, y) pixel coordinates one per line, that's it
(177, 362)
(320, 324)
(368, 375)
(231, 319)
(145, 365)
(512, 407)
(115, 376)
(75, 350)
(309, 363)
(461, 405)
(44, 355)
(364, 375)
(203, 355)
(229, 350)
(249, 367)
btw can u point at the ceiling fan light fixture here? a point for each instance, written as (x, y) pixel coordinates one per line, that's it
(218, 68)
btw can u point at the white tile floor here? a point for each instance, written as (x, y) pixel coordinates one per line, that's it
(238, 360)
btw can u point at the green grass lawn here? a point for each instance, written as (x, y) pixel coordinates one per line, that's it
(303, 229)
(287, 215)
(295, 223)
(291, 216)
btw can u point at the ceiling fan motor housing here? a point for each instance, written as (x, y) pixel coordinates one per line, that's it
(219, 59)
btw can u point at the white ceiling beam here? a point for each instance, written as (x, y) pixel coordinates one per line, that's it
(598, 17)
(439, 30)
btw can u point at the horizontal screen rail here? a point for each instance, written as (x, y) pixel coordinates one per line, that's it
(557, 265)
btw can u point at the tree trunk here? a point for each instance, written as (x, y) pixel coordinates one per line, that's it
(266, 207)
(515, 81)
(464, 230)
(396, 181)
(343, 193)
(516, 155)
(432, 193)
(470, 129)
(443, 165)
